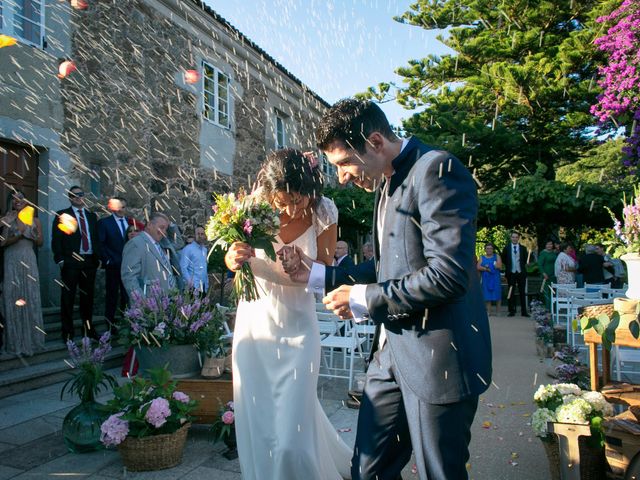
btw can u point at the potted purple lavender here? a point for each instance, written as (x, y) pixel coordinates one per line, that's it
(81, 426)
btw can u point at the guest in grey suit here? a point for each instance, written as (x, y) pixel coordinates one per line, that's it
(145, 261)
(434, 350)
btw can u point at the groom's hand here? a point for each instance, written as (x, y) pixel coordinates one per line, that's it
(338, 301)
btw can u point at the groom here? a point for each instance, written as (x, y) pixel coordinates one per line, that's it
(434, 350)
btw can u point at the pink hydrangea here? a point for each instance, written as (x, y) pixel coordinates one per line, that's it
(228, 417)
(181, 397)
(158, 412)
(114, 430)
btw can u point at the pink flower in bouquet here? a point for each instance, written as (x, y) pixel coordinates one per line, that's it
(228, 418)
(158, 412)
(181, 397)
(247, 227)
(114, 430)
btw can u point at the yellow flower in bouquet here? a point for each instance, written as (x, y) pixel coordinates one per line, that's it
(243, 218)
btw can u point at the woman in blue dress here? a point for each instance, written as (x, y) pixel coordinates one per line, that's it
(489, 267)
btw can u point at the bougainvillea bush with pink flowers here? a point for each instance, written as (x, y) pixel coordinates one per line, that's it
(620, 77)
(145, 407)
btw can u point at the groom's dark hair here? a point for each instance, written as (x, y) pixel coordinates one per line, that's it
(351, 121)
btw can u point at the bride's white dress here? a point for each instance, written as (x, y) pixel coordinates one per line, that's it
(281, 428)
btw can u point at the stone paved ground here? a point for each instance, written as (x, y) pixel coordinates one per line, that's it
(502, 445)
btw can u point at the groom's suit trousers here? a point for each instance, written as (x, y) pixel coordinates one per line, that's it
(393, 418)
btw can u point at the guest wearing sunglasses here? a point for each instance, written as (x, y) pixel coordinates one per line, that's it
(77, 252)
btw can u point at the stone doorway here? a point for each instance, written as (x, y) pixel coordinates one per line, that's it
(18, 169)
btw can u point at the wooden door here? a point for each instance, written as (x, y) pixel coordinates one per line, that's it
(18, 169)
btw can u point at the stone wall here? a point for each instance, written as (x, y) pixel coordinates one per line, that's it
(132, 127)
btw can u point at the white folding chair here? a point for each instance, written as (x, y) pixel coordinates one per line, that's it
(622, 360)
(228, 334)
(350, 343)
(576, 337)
(368, 331)
(558, 292)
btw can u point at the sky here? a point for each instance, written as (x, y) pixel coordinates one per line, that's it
(336, 47)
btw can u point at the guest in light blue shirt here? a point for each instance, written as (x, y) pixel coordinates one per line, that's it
(193, 262)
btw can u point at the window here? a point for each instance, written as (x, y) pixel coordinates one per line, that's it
(328, 169)
(280, 132)
(23, 19)
(215, 96)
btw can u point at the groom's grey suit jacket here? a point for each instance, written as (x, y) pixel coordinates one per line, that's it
(427, 293)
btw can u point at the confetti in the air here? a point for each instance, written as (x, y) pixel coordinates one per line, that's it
(7, 41)
(26, 215)
(66, 68)
(80, 4)
(68, 224)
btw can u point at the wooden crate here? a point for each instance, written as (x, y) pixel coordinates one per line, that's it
(210, 394)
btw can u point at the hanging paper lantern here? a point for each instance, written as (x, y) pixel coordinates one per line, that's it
(7, 41)
(67, 224)
(191, 76)
(26, 215)
(66, 68)
(80, 4)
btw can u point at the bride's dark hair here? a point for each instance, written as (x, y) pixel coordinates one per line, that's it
(288, 170)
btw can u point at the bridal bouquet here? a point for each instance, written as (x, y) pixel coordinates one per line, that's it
(243, 218)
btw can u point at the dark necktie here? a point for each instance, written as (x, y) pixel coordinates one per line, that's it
(83, 231)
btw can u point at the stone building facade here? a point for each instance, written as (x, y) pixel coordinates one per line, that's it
(134, 120)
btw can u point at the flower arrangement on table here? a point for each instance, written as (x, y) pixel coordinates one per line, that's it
(146, 407)
(88, 375)
(568, 403)
(223, 427)
(171, 318)
(243, 218)
(627, 230)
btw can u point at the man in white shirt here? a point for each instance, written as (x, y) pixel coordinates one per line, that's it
(193, 262)
(342, 258)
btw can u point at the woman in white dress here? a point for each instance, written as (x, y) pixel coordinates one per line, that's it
(282, 431)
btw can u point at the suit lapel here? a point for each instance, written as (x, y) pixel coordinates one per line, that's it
(152, 248)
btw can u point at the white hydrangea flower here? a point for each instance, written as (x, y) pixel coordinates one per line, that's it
(574, 412)
(568, 389)
(539, 421)
(598, 403)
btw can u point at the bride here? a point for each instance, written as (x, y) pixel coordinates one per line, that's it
(281, 429)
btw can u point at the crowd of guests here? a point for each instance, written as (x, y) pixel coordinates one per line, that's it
(557, 263)
(132, 253)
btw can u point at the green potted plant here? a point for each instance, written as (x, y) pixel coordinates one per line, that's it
(149, 422)
(166, 327)
(81, 426)
(213, 348)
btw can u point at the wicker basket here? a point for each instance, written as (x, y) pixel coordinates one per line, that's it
(595, 310)
(156, 452)
(593, 463)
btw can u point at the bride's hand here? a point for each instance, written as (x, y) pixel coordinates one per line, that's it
(295, 263)
(237, 255)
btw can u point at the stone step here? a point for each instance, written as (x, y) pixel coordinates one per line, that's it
(30, 376)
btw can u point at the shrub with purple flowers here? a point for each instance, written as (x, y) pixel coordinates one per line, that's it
(243, 218)
(620, 100)
(171, 318)
(223, 426)
(145, 407)
(89, 378)
(544, 324)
